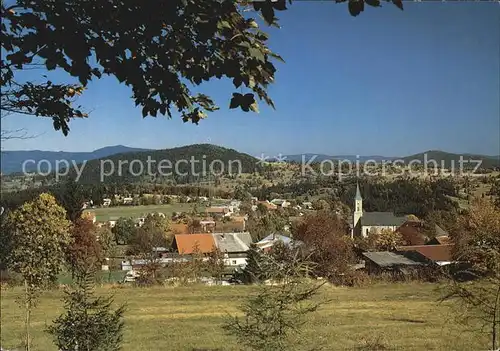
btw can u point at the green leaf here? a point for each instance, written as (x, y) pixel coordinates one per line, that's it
(50, 64)
(279, 5)
(356, 7)
(257, 54)
(268, 12)
(235, 100)
(237, 81)
(374, 3)
(245, 44)
(223, 24)
(261, 35)
(252, 24)
(254, 107)
(251, 82)
(398, 3)
(277, 57)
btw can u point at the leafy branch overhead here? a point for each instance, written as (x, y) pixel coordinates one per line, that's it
(163, 50)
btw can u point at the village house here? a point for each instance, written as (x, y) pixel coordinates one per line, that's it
(391, 262)
(207, 225)
(414, 232)
(440, 240)
(235, 205)
(280, 203)
(269, 241)
(307, 205)
(106, 202)
(219, 211)
(234, 246)
(269, 206)
(439, 254)
(186, 244)
(127, 200)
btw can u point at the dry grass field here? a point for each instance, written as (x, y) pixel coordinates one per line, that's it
(395, 316)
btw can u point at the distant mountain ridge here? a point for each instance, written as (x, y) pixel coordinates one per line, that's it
(322, 157)
(443, 158)
(12, 161)
(448, 159)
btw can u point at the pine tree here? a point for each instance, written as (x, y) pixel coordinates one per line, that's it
(253, 271)
(275, 313)
(89, 323)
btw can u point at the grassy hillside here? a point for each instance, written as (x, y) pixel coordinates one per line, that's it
(397, 316)
(447, 159)
(187, 163)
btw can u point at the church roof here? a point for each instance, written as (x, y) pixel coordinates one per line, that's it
(381, 219)
(358, 193)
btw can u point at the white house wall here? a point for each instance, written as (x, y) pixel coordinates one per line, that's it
(366, 229)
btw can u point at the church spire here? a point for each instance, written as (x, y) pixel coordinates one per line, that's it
(358, 193)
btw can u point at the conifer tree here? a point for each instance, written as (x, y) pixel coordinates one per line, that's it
(89, 323)
(253, 270)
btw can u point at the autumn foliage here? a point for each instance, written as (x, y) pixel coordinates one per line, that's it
(325, 239)
(85, 253)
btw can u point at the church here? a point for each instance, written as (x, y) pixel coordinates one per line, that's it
(365, 222)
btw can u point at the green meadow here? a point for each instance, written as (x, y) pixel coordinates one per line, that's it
(379, 317)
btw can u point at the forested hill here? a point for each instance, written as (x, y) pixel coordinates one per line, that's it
(186, 164)
(450, 160)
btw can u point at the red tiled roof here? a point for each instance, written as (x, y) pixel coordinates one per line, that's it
(432, 252)
(269, 205)
(443, 239)
(185, 243)
(412, 233)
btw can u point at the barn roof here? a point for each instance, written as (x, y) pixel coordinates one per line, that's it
(387, 259)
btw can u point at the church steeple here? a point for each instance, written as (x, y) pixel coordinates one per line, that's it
(358, 200)
(358, 193)
(358, 212)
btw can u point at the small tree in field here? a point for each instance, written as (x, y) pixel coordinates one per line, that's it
(107, 240)
(40, 235)
(478, 243)
(253, 269)
(124, 230)
(196, 261)
(84, 254)
(215, 264)
(89, 323)
(276, 312)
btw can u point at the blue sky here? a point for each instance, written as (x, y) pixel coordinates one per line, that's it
(384, 83)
